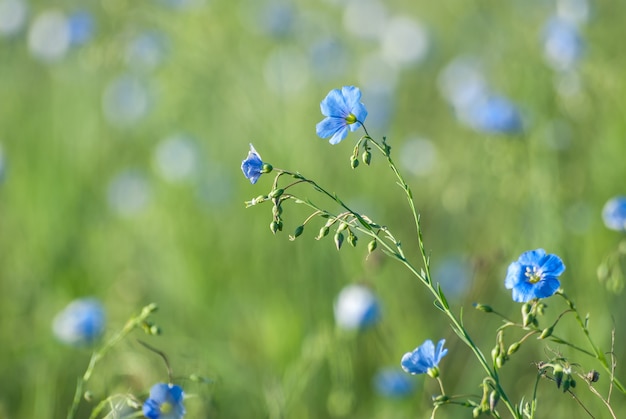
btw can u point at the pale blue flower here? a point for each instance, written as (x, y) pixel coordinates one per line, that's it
(343, 111)
(614, 213)
(356, 307)
(165, 402)
(424, 359)
(80, 323)
(534, 275)
(393, 382)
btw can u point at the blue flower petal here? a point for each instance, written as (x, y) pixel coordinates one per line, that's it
(552, 265)
(330, 126)
(252, 165)
(334, 105)
(531, 257)
(534, 275)
(424, 357)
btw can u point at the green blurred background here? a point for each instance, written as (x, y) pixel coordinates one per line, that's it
(122, 139)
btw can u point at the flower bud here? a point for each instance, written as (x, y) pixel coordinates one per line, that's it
(298, 231)
(371, 246)
(593, 376)
(493, 400)
(276, 193)
(277, 210)
(482, 307)
(557, 370)
(352, 239)
(354, 162)
(547, 332)
(276, 226)
(500, 360)
(367, 157)
(495, 352)
(513, 348)
(476, 412)
(338, 240)
(323, 233)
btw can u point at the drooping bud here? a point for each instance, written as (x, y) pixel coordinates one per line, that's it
(354, 162)
(298, 231)
(593, 376)
(367, 157)
(323, 233)
(276, 226)
(352, 239)
(371, 246)
(557, 370)
(276, 193)
(338, 239)
(493, 400)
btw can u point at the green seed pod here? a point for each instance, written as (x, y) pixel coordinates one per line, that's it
(367, 157)
(513, 348)
(547, 332)
(338, 240)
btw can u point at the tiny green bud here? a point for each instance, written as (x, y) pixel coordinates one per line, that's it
(352, 239)
(440, 399)
(276, 193)
(367, 157)
(354, 162)
(493, 400)
(371, 246)
(88, 395)
(513, 348)
(483, 307)
(495, 352)
(149, 309)
(155, 330)
(266, 168)
(526, 308)
(277, 210)
(547, 332)
(338, 239)
(323, 233)
(476, 412)
(593, 376)
(275, 226)
(557, 370)
(298, 231)
(500, 360)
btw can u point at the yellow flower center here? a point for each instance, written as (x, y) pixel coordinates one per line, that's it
(166, 408)
(351, 119)
(534, 275)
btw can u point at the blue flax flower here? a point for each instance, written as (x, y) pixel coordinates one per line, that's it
(253, 167)
(534, 275)
(80, 323)
(424, 359)
(614, 213)
(343, 110)
(392, 382)
(165, 402)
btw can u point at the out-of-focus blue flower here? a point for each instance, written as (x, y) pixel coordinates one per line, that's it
(614, 213)
(12, 16)
(534, 275)
(49, 36)
(424, 359)
(343, 110)
(129, 192)
(80, 26)
(165, 402)
(253, 167)
(562, 44)
(356, 308)
(495, 115)
(393, 382)
(80, 323)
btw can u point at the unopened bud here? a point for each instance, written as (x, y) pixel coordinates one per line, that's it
(298, 231)
(371, 246)
(367, 157)
(354, 162)
(593, 376)
(352, 239)
(338, 240)
(323, 233)
(513, 348)
(276, 193)
(500, 360)
(149, 309)
(493, 400)
(547, 332)
(483, 307)
(276, 226)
